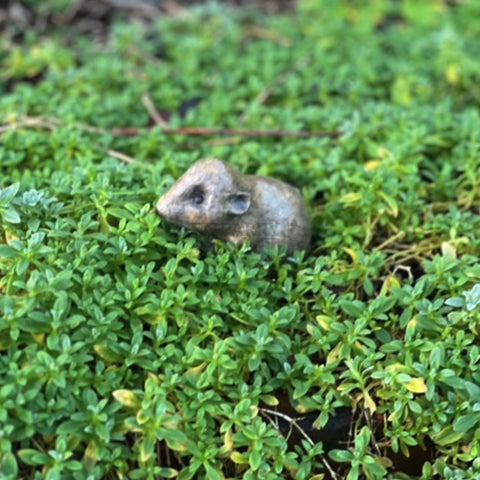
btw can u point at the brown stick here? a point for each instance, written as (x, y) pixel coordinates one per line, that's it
(201, 131)
(52, 123)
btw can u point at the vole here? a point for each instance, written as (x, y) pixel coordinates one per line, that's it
(216, 199)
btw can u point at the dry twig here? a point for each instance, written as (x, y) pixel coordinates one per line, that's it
(369, 420)
(28, 122)
(293, 422)
(136, 52)
(153, 112)
(390, 240)
(120, 156)
(260, 32)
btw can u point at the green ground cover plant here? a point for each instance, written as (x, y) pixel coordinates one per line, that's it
(127, 352)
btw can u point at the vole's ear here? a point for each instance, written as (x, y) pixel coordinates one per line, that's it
(239, 203)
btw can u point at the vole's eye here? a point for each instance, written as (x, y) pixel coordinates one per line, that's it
(197, 195)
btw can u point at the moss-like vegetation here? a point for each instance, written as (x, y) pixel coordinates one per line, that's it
(127, 352)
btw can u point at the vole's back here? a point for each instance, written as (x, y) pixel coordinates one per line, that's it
(283, 218)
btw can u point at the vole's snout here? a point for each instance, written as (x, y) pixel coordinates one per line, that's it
(169, 209)
(162, 208)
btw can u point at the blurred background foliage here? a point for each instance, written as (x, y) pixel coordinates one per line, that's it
(128, 352)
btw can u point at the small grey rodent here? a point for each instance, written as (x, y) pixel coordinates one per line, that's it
(216, 199)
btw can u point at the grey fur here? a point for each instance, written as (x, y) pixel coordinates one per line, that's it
(216, 199)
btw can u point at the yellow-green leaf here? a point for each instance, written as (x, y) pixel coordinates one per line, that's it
(416, 385)
(127, 398)
(369, 403)
(351, 197)
(449, 250)
(239, 458)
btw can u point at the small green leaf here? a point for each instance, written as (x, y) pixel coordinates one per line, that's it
(8, 465)
(33, 457)
(69, 426)
(466, 422)
(455, 302)
(353, 308)
(74, 466)
(341, 455)
(8, 252)
(176, 439)
(7, 194)
(36, 239)
(447, 436)
(362, 440)
(255, 459)
(53, 474)
(212, 472)
(11, 215)
(167, 472)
